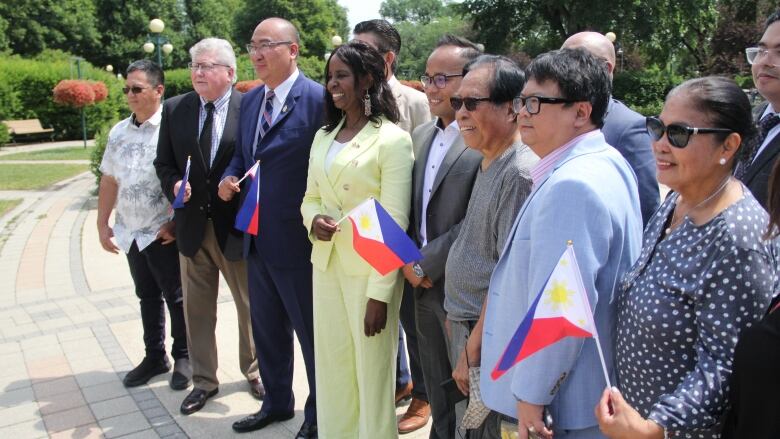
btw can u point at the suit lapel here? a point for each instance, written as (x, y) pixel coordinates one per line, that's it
(228, 132)
(318, 160)
(456, 150)
(349, 155)
(287, 107)
(767, 155)
(419, 171)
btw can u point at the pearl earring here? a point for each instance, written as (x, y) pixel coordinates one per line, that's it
(722, 161)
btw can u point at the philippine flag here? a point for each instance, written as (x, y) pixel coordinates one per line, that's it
(178, 202)
(248, 216)
(560, 310)
(379, 240)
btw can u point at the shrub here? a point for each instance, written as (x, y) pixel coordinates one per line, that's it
(74, 93)
(26, 93)
(245, 86)
(644, 90)
(5, 136)
(177, 82)
(101, 139)
(417, 85)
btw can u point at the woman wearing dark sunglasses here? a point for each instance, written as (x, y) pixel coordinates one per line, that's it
(703, 275)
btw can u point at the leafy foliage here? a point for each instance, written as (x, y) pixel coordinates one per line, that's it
(5, 136)
(418, 42)
(417, 11)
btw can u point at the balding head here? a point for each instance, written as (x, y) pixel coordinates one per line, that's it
(595, 43)
(282, 28)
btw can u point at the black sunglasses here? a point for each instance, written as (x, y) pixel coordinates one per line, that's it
(135, 89)
(679, 135)
(470, 103)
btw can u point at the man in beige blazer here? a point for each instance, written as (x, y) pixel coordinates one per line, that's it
(414, 111)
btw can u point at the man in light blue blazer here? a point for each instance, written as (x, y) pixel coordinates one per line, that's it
(584, 191)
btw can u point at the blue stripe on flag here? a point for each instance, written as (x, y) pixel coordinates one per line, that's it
(395, 238)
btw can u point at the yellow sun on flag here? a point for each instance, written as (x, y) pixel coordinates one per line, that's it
(365, 222)
(558, 296)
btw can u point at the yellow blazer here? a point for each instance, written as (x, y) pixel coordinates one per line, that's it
(377, 163)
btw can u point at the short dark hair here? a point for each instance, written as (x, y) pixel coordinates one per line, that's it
(726, 106)
(580, 75)
(388, 38)
(470, 50)
(154, 74)
(364, 61)
(506, 80)
(775, 16)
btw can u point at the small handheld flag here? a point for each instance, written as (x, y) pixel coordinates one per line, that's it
(250, 173)
(378, 239)
(178, 202)
(560, 310)
(248, 216)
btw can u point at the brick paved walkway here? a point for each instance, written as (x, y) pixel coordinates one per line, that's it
(70, 329)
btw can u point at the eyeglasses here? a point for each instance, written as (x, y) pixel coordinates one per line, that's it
(679, 135)
(204, 66)
(755, 53)
(533, 104)
(254, 48)
(439, 80)
(135, 89)
(470, 103)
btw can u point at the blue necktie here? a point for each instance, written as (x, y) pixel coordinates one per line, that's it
(266, 118)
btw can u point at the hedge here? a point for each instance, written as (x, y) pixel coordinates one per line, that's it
(26, 93)
(644, 90)
(5, 136)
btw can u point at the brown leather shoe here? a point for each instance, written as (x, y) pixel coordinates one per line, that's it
(416, 416)
(256, 388)
(404, 393)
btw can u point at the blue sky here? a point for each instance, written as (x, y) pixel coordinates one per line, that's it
(360, 10)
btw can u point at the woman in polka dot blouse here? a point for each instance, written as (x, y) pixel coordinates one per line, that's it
(703, 275)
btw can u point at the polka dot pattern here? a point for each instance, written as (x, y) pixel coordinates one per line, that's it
(681, 309)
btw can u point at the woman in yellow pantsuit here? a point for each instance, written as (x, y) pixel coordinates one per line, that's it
(360, 153)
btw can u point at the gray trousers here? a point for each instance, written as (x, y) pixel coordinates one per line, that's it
(491, 428)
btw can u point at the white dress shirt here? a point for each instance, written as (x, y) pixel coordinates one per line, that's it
(220, 116)
(333, 151)
(280, 95)
(441, 144)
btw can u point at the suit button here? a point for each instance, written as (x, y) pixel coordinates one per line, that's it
(345, 187)
(201, 208)
(208, 181)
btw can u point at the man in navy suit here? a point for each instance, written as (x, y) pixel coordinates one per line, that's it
(624, 128)
(277, 126)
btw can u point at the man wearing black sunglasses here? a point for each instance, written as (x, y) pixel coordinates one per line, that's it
(142, 226)
(765, 65)
(623, 127)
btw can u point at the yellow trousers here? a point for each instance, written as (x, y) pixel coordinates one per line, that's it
(355, 374)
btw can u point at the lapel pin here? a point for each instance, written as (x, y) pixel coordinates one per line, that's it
(354, 163)
(284, 109)
(355, 145)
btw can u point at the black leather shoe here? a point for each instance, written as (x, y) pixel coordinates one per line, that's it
(259, 420)
(180, 378)
(196, 400)
(307, 431)
(148, 369)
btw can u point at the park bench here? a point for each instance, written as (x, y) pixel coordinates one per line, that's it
(27, 128)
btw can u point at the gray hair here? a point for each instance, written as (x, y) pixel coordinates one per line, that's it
(218, 47)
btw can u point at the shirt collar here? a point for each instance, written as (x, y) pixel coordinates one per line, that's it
(768, 110)
(450, 127)
(220, 101)
(154, 120)
(282, 90)
(545, 165)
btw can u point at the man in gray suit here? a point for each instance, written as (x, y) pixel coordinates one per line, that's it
(444, 172)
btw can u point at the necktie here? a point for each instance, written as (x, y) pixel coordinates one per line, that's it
(206, 135)
(764, 127)
(266, 118)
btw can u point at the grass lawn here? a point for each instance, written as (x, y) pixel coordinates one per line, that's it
(21, 177)
(69, 153)
(7, 205)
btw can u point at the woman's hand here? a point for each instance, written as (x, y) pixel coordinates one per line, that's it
(376, 317)
(618, 420)
(323, 227)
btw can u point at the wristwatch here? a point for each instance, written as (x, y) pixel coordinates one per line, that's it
(418, 271)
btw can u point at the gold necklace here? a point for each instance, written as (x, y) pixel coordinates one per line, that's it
(712, 195)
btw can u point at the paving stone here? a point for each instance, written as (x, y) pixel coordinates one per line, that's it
(27, 429)
(124, 424)
(145, 434)
(161, 421)
(95, 377)
(155, 412)
(55, 387)
(9, 348)
(60, 402)
(11, 398)
(68, 419)
(89, 431)
(102, 392)
(20, 413)
(114, 407)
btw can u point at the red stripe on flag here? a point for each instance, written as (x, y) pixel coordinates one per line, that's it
(376, 253)
(253, 224)
(544, 332)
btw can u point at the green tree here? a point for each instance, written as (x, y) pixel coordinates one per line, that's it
(418, 11)
(417, 42)
(34, 25)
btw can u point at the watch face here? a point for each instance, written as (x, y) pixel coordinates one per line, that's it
(418, 271)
